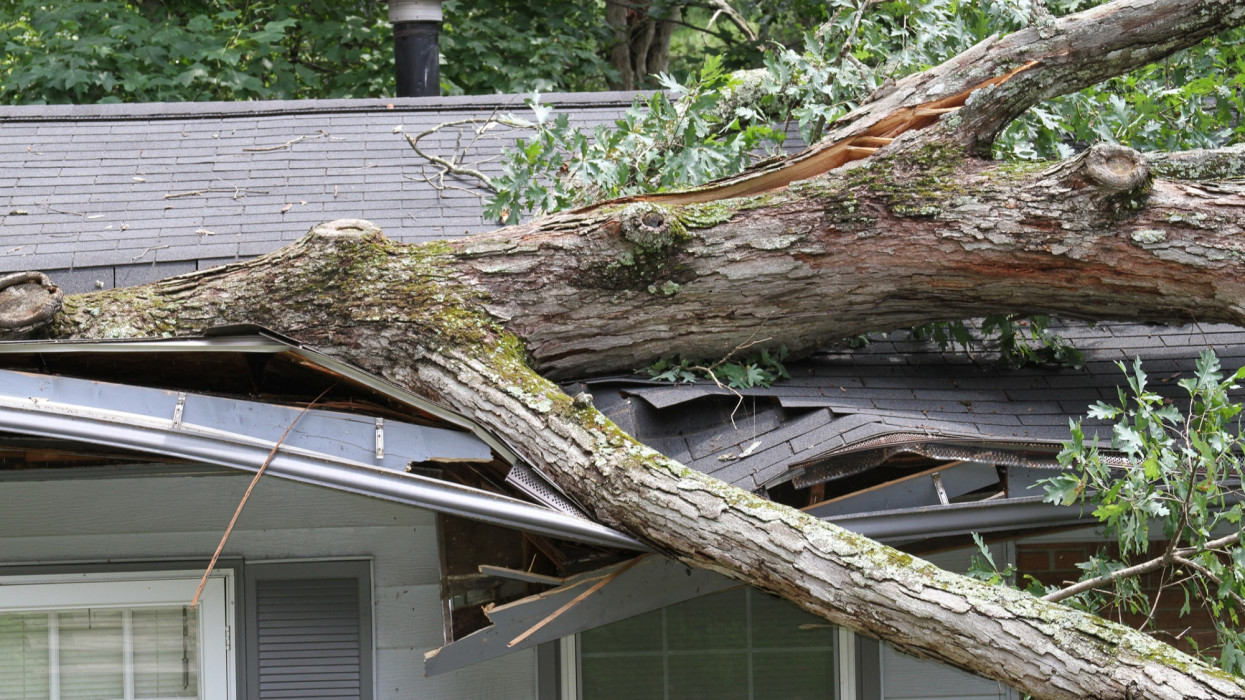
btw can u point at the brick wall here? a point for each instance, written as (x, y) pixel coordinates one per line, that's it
(1055, 564)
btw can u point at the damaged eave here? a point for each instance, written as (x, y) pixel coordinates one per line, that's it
(259, 340)
(580, 603)
(346, 452)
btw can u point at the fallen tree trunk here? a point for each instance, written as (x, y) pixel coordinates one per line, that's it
(805, 252)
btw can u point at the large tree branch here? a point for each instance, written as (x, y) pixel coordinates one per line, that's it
(990, 84)
(893, 242)
(442, 319)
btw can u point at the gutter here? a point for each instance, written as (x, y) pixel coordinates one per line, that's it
(74, 409)
(961, 518)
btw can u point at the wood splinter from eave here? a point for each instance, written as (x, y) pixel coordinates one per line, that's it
(823, 158)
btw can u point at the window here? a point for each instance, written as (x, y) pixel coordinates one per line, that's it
(739, 644)
(119, 637)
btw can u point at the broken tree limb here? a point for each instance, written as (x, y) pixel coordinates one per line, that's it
(574, 601)
(28, 301)
(995, 82)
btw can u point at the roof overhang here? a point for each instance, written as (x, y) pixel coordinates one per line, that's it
(258, 340)
(342, 451)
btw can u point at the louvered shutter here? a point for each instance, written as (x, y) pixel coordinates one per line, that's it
(311, 635)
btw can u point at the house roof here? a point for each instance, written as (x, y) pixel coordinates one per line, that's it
(99, 196)
(114, 195)
(845, 410)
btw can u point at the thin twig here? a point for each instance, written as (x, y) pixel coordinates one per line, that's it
(713, 376)
(724, 8)
(1240, 602)
(238, 511)
(51, 208)
(237, 192)
(321, 133)
(450, 165)
(1074, 589)
(287, 144)
(148, 249)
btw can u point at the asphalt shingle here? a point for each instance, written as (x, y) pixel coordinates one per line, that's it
(147, 177)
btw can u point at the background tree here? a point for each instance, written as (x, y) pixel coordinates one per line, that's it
(182, 50)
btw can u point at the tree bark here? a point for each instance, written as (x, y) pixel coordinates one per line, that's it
(641, 44)
(843, 239)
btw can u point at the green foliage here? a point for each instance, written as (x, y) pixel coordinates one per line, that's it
(514, 47)
(1182, 479)
(1192, 99)
(716, 123)
(671, 139)
(983, 568)
(1017, 341)
(125, 51)
(759, 370)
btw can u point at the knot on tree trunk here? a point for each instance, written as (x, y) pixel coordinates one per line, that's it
(28, 300)
(344, 228)
(650, 226)
(1115, 168)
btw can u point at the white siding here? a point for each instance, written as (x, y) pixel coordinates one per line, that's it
(136, 518)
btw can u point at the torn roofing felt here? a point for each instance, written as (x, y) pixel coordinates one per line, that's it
(846, 411)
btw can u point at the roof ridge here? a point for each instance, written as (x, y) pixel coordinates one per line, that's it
(152, 111)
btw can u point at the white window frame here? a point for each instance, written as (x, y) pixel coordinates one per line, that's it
(217, 672)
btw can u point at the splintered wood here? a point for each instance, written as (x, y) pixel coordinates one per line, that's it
(824, 157)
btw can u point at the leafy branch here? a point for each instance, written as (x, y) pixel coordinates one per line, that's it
(759, 370)
(1181, 480)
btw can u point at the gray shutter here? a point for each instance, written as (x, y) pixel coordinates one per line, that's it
(310, 637)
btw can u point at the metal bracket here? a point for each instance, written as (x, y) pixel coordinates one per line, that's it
(380, 438)
(178, 410)
(942, 492)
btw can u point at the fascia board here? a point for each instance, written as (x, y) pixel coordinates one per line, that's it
(50, 410)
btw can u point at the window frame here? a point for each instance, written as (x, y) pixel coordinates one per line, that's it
(139, 589)
(849, 664)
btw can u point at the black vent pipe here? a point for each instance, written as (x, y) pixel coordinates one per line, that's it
(416, 56)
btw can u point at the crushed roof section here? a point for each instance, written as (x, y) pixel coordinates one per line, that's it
(837, 402)
(114, 195)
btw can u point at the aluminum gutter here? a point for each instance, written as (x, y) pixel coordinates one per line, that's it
(52, 410)
(265, 342)
(961, 518)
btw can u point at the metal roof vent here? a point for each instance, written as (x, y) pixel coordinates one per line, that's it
(416, 57)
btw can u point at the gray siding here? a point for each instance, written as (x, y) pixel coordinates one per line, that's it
(175, 517)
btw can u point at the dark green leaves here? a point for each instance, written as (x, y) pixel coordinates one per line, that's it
(1180, 482)
(120, 50)
(760, 370)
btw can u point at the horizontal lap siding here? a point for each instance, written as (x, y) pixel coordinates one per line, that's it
(177, 517)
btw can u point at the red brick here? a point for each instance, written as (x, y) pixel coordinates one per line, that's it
(1034, 561)
(1067, 559)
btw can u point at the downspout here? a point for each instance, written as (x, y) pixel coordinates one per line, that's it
(416, 56)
